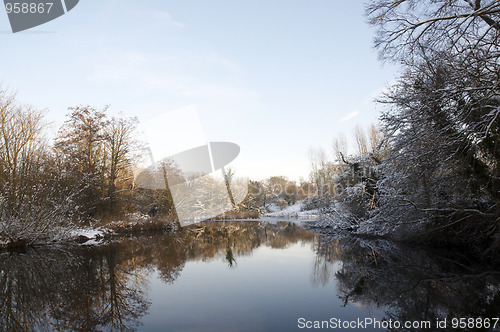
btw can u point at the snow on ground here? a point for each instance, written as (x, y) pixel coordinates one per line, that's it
(292, 211)
(92, 242)
(90, 233)
(94, 236)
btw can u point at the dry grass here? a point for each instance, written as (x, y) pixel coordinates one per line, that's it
(238, 214)
(139, 223)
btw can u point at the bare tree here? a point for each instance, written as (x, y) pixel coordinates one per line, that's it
(322, 171)
(32, 203)
(361, 142)
(81, 143)
(339, 147)
(21, 144)
(120, 144)
(228, 177)
(81, 138)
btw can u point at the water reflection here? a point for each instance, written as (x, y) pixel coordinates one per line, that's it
(110, 287)
(410, 283)
(94, 289)
(106, 287)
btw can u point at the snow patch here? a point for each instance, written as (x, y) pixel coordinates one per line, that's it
(90, 233)
(292, 211)
(92, 242)
(89, 236)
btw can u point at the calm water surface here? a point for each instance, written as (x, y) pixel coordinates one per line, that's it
(236, 276)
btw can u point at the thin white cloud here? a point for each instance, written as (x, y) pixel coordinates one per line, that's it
(167, 18)
(349, 116)
(190, 75)
(379, 92)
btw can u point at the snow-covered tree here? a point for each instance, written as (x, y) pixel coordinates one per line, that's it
(441, 177)
(33, 194)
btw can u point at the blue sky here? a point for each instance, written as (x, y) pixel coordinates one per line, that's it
(275, 77)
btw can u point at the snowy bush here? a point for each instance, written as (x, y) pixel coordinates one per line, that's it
(36, 219)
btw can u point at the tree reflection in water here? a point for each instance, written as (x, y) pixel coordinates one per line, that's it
(84, 289)
(105, 287)
(413, 284)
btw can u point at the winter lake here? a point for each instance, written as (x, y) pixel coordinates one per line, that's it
(242, 276)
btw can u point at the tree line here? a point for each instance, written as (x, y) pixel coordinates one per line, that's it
(89, 174)
(85, 173)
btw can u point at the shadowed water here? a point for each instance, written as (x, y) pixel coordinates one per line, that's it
(237, 276)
